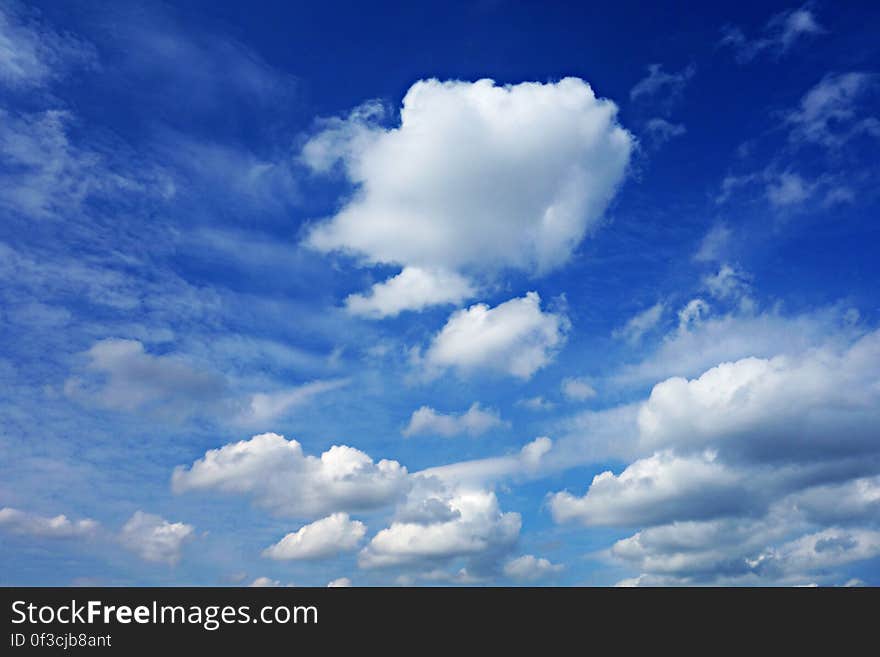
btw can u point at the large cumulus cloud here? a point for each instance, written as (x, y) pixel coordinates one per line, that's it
(760, 470)
(476, 178)
(278, 475)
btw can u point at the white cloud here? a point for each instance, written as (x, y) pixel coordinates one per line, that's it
(760, 470)
(693, 552)
(121, 375)
(813, 406)
(714, 244)
(640, 324)
(660, 130)
(339, 583)
(780, 33)
(32, 524)
(474, 422)
(853, 501)
(692, 314)
(733, 336)
(788, 188)
(828, 548)
(475, 179)
(265, 582)
(279, 476)
(263, 408)
(32, 54)
(515, 337)
(532, 453)
(480, 472)
(537, 403)
(414, 288)
(659, 82)
(577, 389)
(126, 377)
(473, 527)
(829, 113)
(657, 489)
(742, 551)
(153, 538)
(323, 538)
(529, 568)
(49, 174)
(730, 283)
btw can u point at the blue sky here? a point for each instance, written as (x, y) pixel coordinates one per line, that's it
(479, 293)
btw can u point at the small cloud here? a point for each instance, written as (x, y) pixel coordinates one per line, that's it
(577, 389)
(729, 283)
(153, 538)
(778, 35)
(788, 189)
(658, 81)
(660, 130)
(714, 244)
(692, 314)
(32, 524)
(530, 568)
(640, 324)
(829, 114)
(265, 582)
(474, 422)
(515, 337)
(535, 403)
(321, 539)
(266, 407)
(414, 288)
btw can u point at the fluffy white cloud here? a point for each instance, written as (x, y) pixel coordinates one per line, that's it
(828, 548)
(693, 552)
(153, 538)
(742, 551)
(339, 583)
(760, 470)
(32, 524)
(475, 179)
(414, 288)
(280, 476)
(529, 568)
(653, 490)
(474, 422)
(853, 501)
(471, 525)
(515, 337)
(814, 406)
(577, 389)
(323, 538)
